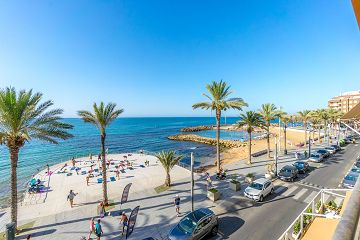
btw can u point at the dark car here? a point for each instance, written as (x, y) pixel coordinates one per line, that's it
(288, 173)
(301, 166)
(195, 225)
(357, 164)
(323, 152)
(350, 180)
(338, 148)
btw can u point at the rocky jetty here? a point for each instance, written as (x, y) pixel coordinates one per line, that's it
(197, 128)
(205, 140)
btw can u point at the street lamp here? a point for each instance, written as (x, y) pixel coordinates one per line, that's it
(276, 156)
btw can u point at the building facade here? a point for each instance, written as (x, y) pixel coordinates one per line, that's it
(345, 101)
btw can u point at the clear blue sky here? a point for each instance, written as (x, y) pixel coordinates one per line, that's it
(153, 58)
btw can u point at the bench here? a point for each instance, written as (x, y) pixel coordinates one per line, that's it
(257, 154)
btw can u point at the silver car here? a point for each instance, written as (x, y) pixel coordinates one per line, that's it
(259, 189)
(195, 225)
(316, 158)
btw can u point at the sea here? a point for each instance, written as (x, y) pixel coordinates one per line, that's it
(124, 135)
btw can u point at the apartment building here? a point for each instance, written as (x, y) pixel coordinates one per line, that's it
(345, 101)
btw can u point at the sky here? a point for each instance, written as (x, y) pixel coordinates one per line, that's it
(154, 58)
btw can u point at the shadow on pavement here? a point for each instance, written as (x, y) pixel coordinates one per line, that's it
(228, 225)
(37, 234)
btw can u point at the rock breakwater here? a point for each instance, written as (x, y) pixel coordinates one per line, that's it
(206, 140)
(197, 128)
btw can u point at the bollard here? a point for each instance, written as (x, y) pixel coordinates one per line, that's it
(10, 231)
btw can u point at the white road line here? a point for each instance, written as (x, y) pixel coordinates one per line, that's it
(288, 192)
(299, 194)
(310, 197)
(279, 189)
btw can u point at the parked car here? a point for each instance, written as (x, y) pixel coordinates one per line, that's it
(350, 180)
(316, 158)
(337, 147)
(331, 150)
(288, 173)
(301, 166)
(259, 189)
(357, 164)
(323, 152)
(355, 171)
(195, 225)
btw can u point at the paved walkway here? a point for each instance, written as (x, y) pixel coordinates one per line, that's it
(157, 213)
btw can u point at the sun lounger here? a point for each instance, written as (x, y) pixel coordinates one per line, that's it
(83, 172)
(69, 174)
(96, 170)
(99, 180)
(141, 165)
(112, 179)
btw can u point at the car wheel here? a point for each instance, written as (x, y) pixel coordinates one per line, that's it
(214, 231)
(261, 198)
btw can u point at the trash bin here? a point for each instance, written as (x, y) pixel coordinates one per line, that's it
(10, 231)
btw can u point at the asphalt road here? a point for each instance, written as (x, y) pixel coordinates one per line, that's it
(268, 220)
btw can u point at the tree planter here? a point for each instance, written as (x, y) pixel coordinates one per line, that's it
(235, 185)
(269, 175)
(213, 194)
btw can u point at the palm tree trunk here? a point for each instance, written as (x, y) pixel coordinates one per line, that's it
(167, 180)
(268, 138)
(285, 149)
(305, 125)
(104, 182)
(319, 140)
(249, 162)
(218, 115)
(14, 156)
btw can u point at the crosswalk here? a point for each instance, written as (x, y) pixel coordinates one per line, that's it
(300, 192)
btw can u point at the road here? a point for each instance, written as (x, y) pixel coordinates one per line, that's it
(268, 220)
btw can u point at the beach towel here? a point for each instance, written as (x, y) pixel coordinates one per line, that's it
(99, 180)
(112, 179)
(83, 172)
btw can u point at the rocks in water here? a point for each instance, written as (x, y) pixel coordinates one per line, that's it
(206, 140)
(197, 128)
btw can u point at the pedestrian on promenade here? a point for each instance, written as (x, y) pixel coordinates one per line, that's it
(177, 205)
(92, 228)
(71, 197)
(305, 154)
(101, 209)
(124, 220)
(208, 181)
(98, 230)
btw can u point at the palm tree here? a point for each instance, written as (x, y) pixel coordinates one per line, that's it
(268, 112)
(102, 117)
(219, 101)
(334, 116)
(316, 121)
(168, 160)
(286, 119)
(325, 117)
(305, 117)
(23, 118)
(250, 120)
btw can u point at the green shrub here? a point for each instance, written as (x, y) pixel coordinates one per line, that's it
(250, 175)
(213, 190)
(296, 227)
(318, 205)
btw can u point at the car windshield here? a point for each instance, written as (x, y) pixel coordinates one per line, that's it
(285, 170)
(351, 178)
(299, 164)
(321, 151)
(256, 185)
(356, 170)
(188, 223)
(314, 156)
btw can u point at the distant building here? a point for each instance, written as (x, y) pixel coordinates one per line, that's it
(345, 101)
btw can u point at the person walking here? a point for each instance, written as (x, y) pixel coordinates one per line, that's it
(73, 161)
(71, 197)
(92, 228)
(124, 220)
(208, 181)
(177, 205)
(98, 230)
(102, 211)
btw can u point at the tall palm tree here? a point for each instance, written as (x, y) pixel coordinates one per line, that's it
(285, 119)
(102, 117)
(23, 117)
(316, 121)
(334, 116)
(305, 117)
(168, 160)
(219, 101)
(250, 120)
(325, 117)
(268, 112)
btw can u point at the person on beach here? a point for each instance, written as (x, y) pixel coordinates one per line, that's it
(71, 197)
(87, 179)
(99, 157)
(177, 205)
(92, 228)
(117, 172)
(73, 161)
(90, 156)
(124, 220)
(98, 229)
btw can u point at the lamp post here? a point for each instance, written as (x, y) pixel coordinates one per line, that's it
(276, 157)
(192, 180)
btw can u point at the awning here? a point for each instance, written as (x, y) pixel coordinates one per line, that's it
(356, 6)
(354, 113)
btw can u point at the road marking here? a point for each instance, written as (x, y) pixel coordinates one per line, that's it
(299, 194)
(310, 197)
(288, 192)
(306, 184)
(279, 189)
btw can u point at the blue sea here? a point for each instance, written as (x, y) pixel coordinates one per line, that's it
(123, 135)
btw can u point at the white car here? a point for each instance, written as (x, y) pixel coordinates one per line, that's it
(316, 158)
(259, 189)
(331, 150)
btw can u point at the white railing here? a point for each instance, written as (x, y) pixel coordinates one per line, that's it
(323, 195)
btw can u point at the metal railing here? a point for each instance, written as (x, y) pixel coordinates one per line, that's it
(302, 223)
